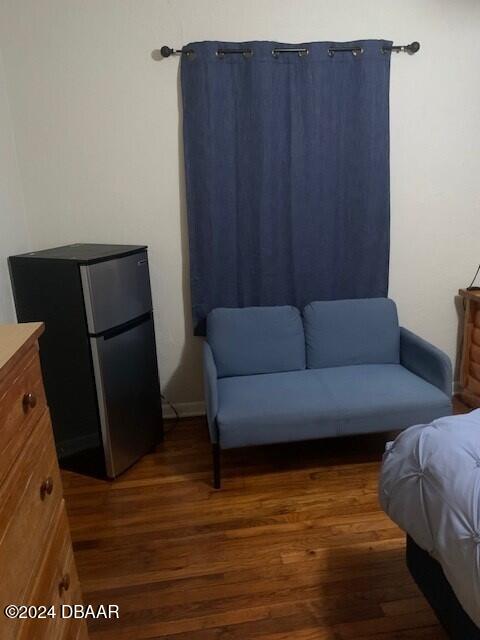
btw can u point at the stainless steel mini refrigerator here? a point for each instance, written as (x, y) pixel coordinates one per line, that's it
(98, 351)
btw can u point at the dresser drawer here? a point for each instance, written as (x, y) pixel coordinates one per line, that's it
(29, 499)
(57, 584)
(22, 402)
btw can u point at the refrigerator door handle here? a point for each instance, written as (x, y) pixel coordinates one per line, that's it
(102, 408)
(87, 297)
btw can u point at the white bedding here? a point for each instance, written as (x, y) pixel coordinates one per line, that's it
(430, 486)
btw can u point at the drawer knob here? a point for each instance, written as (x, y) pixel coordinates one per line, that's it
(29, 401)
(64, 584)
(46, 487)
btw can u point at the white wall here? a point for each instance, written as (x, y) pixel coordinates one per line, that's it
(97, 128)
(13, 226)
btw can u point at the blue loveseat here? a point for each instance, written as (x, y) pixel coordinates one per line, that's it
(342, 367)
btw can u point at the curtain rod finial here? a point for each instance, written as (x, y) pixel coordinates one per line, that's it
(413, 47)
(166, 51)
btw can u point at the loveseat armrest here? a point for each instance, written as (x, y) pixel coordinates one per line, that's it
(211, 392)
(426, 361)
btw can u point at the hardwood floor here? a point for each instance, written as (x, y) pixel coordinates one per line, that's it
(294, 546)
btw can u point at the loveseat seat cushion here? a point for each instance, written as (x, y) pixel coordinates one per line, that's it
(319, 403)
(348, 332)
(256, 340)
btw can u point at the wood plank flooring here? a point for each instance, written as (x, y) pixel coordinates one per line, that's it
(294, 546)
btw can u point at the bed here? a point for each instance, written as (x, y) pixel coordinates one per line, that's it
(430, 486)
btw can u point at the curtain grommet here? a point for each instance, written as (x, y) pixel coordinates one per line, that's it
(300, 52)
(357, 52)
(220, 55)
(331, 53)
(248, 53)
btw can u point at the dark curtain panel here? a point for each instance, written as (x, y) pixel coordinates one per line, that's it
(287, 173)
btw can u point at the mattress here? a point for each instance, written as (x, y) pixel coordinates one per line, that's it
(430, 486)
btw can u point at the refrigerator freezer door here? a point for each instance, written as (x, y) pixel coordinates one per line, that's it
(116, 291)
(126, 378)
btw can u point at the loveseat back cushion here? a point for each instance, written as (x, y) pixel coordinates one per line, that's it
(256, 340)
(348, 332)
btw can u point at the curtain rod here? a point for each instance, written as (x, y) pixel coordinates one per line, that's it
(411, 48)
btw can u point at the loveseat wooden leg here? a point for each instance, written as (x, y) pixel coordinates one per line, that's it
(216, 466)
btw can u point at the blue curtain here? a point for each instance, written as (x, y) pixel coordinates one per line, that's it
(287, 173)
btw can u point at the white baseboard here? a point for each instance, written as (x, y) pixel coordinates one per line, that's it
(185, 409)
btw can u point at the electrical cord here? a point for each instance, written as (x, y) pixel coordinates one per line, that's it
(174, 409)
(474, 277)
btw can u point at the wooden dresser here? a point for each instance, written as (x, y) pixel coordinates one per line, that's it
(37, 566)
(470, 364)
